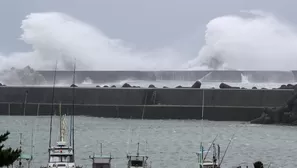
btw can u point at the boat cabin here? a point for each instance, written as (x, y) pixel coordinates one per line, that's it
(61, 156)
(24, 158)
(208, 164)
(205, 162)
(138, 161)
(100, 161)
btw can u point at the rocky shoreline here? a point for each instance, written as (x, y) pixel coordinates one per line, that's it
(286, 114)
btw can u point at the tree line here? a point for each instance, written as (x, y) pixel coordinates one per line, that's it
(7, 155)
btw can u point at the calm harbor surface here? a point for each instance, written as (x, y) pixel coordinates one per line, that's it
(168, 143)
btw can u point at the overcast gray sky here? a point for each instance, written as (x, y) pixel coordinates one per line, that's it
(146, 24)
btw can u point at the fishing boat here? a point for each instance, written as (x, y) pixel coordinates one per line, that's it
(62, 154)
(215, 161)
(101, 161)
(25, 157)
(204, 162)
(138, 161)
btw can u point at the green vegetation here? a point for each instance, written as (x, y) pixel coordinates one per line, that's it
(7, 155)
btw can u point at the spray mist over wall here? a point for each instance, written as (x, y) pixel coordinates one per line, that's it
(255, 42)
(258, 42)
(56, 36)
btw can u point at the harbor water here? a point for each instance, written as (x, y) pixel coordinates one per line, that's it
(168, 143)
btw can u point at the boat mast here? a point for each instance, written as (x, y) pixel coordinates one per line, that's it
(101, 152)
(202, 114)
(138, 149)
(60, 122)
(52, 112)
(201, 143)
(73, 105)
(25, 102)
(129, 138)
(20, 159)
(70, 130)
(32, 144)
(226, 150)
(219, 152)
(210, 147)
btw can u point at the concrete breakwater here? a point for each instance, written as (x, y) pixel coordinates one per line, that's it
(149, 103)
(204, 76)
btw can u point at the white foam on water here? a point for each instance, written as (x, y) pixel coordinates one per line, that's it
(172, 84)
(244, 79)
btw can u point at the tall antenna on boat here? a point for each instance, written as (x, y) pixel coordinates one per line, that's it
(32, 141)
(60, 114)
(210, 147)
(129, 138)
(101, 150)
(73, 105)
(200, 156)
(138, 149)
(146, 147)
(219, 152)
(25, 102)
(143, 109)
(202, 114)
(70, 130)
(20, 160)
(226, 150)
(52, 112)
(202, 117)
(32, 138)
(138, 132)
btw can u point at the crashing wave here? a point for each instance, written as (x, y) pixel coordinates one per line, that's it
(25, 76)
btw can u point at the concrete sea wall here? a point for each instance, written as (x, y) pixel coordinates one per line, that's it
(149, 103)
(204, 76)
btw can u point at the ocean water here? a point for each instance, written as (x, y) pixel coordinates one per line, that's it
(168, 143)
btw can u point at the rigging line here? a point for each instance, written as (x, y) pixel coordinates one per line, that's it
(52, 112)
(73, 104)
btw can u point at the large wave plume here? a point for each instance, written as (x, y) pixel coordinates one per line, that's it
(56, 36)
(258, 41)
